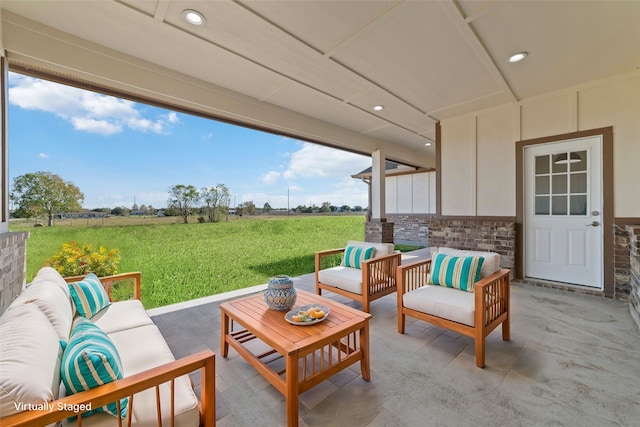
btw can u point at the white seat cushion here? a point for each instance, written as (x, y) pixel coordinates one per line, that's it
(121, 315)
(141, 348)
(346, 278)
(448, 303)
(491, 262)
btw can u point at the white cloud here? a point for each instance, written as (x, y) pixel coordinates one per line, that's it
(43, 155)
(314, 160)
(101, 127)
(271, 177)
(86, 111)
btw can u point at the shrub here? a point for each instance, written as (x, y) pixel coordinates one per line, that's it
(74, 260)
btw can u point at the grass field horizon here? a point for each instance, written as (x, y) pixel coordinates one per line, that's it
(180, 262)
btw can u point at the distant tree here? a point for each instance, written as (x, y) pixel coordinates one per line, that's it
(357, 208)
(216, 201)
(326, 207)
(267, 208)
(144, 209)
(120, 211)
(152, 210)
(135, 207)
(333, 208)
(247, 208)
(345, 208)
(183, 197)
(42, 193)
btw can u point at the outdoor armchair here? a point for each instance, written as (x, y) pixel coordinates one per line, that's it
(474, 312)
(367, 271)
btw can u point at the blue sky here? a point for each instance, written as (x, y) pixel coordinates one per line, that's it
(115, 150)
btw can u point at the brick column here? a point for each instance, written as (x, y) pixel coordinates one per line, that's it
(13, 266)
(378, 232)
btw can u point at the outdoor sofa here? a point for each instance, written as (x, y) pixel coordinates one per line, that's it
(55, 334)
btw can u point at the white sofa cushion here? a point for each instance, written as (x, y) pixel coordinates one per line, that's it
(448, 303)
(120, 316)
(53, 301)
(491, 262)
(30, 357)
(347, 278)
(136, 358)
(141, 349)
(380, 248)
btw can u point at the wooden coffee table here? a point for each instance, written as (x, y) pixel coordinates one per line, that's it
(311, 353)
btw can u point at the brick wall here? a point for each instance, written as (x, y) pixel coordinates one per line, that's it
(13, 256)
(410, 228)
(633, 232)
(473, 234)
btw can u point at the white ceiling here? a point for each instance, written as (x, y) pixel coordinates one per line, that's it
(332, 61)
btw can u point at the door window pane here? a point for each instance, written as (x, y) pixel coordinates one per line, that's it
(559, 163)
(542, 164)
(559, 184)
(578, 205)
(559, 205)
(580, 165)
(542, 205)
(578, 183)
(542, 185)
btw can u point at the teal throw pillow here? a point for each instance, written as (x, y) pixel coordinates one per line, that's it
(90, 359)
(89, 295)
(353, 256)
(456, 272)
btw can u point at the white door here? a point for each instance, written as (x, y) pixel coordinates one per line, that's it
(563, 212)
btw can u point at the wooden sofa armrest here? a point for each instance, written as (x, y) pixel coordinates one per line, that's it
(109, 281)
(492, 299)
(126, 387)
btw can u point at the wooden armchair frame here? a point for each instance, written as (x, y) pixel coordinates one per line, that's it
(378, 277)
(492, 302)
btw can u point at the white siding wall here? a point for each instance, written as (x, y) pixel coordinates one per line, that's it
(478, 150)
(411, 193)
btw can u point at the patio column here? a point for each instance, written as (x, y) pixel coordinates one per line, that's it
(4, 152)
(13, 246)
(377, 229)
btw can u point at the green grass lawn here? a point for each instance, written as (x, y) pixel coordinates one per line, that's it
(179, 262)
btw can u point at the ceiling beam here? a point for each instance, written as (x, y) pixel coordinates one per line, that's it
(458, 19)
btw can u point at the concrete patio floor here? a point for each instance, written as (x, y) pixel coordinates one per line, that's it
(572, 360)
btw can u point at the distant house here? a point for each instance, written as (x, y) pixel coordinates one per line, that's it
(84, 213)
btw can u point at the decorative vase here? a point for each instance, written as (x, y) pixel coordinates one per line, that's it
(280, 294)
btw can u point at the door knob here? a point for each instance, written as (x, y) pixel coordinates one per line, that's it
(593, 224)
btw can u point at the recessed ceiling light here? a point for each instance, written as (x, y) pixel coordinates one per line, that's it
(378, 108)
(517, 57)
(428, 144)
(193, 17)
